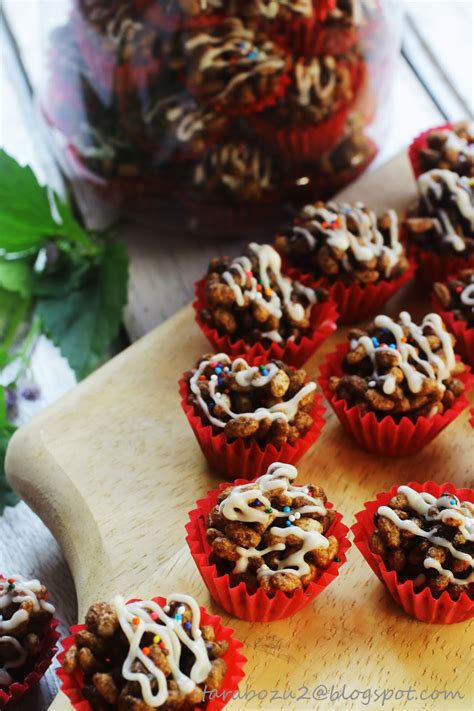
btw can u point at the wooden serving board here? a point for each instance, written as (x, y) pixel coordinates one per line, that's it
(113, 469)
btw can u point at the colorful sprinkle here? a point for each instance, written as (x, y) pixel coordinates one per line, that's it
(11, 580)
(372, 383)
(375, 341)
(136, 621)
(292, 518)
(286, 509)
(218, 369)
(288, 523)
(146, 651)
(268, 510)
(213, 364)
(403, 339)
(153, 616)
(187, 625)
(202, 377)
(259, 287)
(393, 346)
(156, 639)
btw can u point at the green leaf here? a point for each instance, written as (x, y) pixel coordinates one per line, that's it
(26, 219)
(25, 215)
(7, 496)
(13, 311)
(15, 275)
(84, 322)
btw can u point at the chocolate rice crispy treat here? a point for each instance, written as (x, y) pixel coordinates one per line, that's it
(443, 219)
(237, 172)
(344, 242)
(272, 533)
(427, 540)
(318, 87)
(457, 295)
(120, 32)
(24, 616)
(450, 149)
(174, 639)
(269, 403)
(249, 298)
(230, 66)
(400, 369)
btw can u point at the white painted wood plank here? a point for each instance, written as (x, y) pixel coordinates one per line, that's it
(440, 42)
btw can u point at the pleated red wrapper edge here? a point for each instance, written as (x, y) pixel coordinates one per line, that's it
(464, 335)
(323, 321)
(16, 691)
(356, 302)
(385, 436)
(422, 604)
(418, 144)
(72, 683)
(245, 460)
(431, 267)
(258, 606)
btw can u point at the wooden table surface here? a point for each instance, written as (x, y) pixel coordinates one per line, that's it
(434, 83)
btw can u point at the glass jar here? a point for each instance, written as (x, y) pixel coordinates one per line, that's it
(232, 111)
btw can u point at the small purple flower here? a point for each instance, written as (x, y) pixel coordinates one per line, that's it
(31, 393)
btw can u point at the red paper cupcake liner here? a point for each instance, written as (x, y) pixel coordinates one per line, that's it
(242, 459)
(464, 335)
(431, 267)
(235, 599)
(323, 322)
(103, 66)
(356, 302)
(16, 691)
(385, 436)
(419, 143)
(300, 144)
(72, 684)
(420, 604)
(309, 37)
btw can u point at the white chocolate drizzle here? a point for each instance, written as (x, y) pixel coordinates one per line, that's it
(365, 244)
(432, 186)
(238, 164)
(11, 594)
(467, 294)
(269, 264)
(309, 79)
(153, 620)
(248, 58)
(450, 508)
(237, 507)
(415, 367)
(246, 376)
(269, 8)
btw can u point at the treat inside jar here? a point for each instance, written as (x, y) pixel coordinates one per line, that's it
(238, 171)
(271, 533)
(270, 403)
(232, 66)
(400, 368)
(140, 655)
(457, 295)
(443, 219)
(249, 298)
(450, 149)
(344, 242)
(24, 616)
(428, 540)
(263, 9)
